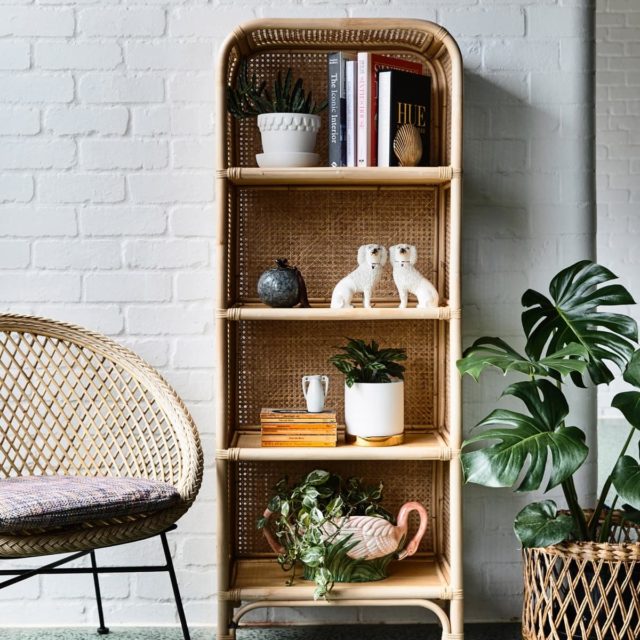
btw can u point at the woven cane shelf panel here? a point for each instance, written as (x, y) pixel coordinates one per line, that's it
(254, 482)
(272, 357)
(320, 231)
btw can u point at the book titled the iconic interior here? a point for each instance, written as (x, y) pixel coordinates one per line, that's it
(404, 116)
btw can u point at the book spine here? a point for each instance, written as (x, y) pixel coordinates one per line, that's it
(312, 428)
(333, 93)
(294, 437)
(298, 417)
(384, 119)
(363, 143)
(299, 444)
(352, 109)
(342, 111)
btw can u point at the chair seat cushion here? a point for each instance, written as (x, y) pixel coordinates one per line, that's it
(41, 502)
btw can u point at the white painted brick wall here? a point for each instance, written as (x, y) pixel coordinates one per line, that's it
(618, 153)
(107, 204)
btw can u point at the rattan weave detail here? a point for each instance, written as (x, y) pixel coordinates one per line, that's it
(254, 482)
(74, 402)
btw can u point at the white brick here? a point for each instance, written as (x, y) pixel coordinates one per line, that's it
(561, 87)
(189, 120)
(74, 55)
(194, 352)
(193, 221)
(555, 22)
(483, 22)
(207, 21)
(76, 254)
(104, 318)
(166, 254)
(171, 187)
(14, 254)
(111, 87)
(36, 21)
(169, 55)
(87, 120)
(123, 154)
(193, 386)
(14, 54)
(48, 221)
(81, 187)
(195, 286)
(15, 188)
(37, 153)
(521, 55)
(127, 287)
(194, 87)
(123, 221)
(150, 121)
(158, 320)
(33, 87)
(19, 121)
(193, 154)
(121, 21)
(155, 352)
(39, 287)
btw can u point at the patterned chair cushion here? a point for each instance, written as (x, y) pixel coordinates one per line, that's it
(41, 502)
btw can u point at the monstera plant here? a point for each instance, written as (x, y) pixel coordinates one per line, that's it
(569, 337)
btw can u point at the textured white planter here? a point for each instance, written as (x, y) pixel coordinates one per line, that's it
(374, 410)
(288, 132)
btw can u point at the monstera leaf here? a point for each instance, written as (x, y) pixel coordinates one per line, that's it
(626, 480)
(539, 525)
(572, 316)
(494, 352)
(524, 444)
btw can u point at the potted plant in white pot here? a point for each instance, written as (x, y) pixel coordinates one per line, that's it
(373, 392)
(581, 566)
(287, 117)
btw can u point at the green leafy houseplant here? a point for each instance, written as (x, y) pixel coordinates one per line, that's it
(250, 98)
(566, 336)
(362, 362)
(305, 511)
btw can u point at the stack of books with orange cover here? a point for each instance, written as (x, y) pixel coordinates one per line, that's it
(298, 428)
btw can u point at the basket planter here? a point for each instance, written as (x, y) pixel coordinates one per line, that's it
(583, 591)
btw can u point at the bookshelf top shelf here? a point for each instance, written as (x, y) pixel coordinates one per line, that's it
(338, 176)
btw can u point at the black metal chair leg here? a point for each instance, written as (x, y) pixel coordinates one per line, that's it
(102, 630)
(174, 585)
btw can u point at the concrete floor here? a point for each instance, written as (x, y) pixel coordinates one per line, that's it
(341, 632)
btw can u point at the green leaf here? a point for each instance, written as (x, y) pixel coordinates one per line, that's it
(629, 403)
(626, 480)
(494, 352)
(318, 476)
(572, 316)
(632, 372)
(539, 525)
(516, 453)
(312, 556)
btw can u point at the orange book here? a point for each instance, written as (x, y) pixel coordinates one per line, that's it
(296, 415)
(300, 444)
(299, 428)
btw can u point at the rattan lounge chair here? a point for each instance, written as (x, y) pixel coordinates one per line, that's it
(75, 407)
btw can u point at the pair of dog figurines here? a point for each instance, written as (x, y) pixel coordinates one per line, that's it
(371, 260)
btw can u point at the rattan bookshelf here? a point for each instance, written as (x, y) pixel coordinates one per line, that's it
(317, 217)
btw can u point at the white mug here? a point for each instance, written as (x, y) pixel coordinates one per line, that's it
(314, 393)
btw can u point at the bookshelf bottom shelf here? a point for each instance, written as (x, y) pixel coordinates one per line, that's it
(409, 579)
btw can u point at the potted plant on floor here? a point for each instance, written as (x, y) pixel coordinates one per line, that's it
(337, 530)
(287, 117)
(580, 566)
(373, 392)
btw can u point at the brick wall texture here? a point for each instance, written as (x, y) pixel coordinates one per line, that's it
(107, 206)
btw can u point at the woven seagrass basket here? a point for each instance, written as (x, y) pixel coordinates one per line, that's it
(584, 591)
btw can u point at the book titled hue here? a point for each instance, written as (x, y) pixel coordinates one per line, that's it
(369, 65)
(403, 98)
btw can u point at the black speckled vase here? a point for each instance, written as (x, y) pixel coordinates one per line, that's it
(282, 286)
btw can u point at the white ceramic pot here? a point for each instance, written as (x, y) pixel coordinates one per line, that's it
(374, 410)
(288, 132)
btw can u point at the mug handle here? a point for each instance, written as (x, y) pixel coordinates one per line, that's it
(304, 389)
(273, 543)
(325, 379)
(403, 516)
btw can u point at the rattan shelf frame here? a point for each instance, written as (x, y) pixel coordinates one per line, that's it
(246, 197)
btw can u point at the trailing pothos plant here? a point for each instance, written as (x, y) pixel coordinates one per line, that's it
(305, 512)
(567, 337)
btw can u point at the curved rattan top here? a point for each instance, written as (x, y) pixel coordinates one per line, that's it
(74, 402)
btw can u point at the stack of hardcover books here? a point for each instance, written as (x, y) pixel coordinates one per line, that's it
(298, 428)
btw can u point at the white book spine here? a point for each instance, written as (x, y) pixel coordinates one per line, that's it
(384, 118)
(364, 60)
(352, 96)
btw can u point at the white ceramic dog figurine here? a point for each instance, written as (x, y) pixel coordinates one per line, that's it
(409, 280)
(371, 259)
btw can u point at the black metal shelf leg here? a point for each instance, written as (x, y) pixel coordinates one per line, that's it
(174, 585)
(102, 630)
